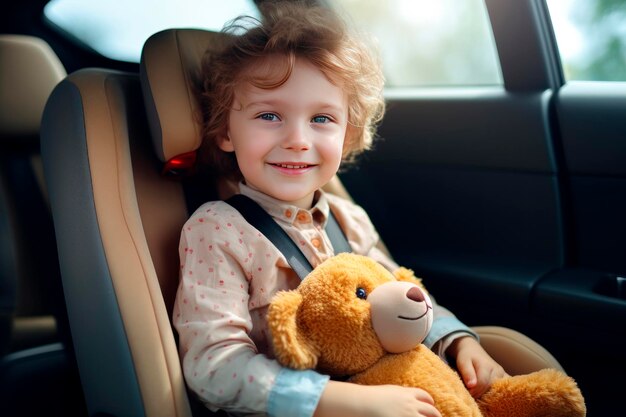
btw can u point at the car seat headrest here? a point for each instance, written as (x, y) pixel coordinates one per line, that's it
(169, 70)
(29, 71)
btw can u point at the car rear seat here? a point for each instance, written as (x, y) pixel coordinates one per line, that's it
(31, 296)
(37, 370)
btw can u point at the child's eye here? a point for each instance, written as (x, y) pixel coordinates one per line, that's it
(361, 293)
(320, 119)
(270, 117)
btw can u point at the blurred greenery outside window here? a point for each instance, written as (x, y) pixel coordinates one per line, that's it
(591, 36)
(429, 43)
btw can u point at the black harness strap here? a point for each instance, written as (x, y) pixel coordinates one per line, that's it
(259, 218)
(337, 237)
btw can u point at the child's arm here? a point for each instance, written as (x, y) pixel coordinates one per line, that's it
(221, 362)
(343, 399)
(476, 367)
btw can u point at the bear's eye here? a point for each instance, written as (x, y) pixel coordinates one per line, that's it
(361, 293)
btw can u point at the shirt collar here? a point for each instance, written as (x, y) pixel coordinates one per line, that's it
(287, 212)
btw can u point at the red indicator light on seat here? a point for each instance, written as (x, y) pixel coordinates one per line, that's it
(180, 164)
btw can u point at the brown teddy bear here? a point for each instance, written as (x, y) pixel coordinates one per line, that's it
(352, 318)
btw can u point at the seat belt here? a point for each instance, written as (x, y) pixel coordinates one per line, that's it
(259, 218)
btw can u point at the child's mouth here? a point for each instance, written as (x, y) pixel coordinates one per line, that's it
(292, 168)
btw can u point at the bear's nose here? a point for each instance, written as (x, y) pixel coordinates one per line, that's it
(415, 294)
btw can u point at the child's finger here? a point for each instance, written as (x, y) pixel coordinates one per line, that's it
(424, 396)
(468, 373)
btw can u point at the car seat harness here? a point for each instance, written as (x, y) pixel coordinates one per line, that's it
(259, 218)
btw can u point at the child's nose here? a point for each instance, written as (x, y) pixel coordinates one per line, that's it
(297, 139)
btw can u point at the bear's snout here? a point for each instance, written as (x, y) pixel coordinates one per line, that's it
(401, 314)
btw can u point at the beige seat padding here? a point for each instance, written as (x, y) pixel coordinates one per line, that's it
(29, 71)
(516, 352)
(170, 64)
(125, 180)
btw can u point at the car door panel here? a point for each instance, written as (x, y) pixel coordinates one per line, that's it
(509, 201)
(591, 121)
(465, 189)
(591, 290)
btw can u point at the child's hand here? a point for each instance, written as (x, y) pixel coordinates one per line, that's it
(393, 400)
(478, 370)
(344, 399)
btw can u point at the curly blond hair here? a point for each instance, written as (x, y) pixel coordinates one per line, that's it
(290, 30)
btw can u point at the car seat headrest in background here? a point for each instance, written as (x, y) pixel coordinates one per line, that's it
(31, 291)
(29, 70)
(169, 70)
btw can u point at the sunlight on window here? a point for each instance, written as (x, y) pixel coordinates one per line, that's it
(570, 38)
(429, 43)
(591, 36)
(118, 28)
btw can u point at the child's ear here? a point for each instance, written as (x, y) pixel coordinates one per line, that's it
(291, 346)
(225, 144)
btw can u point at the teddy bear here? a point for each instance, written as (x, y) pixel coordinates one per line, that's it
(352, 318)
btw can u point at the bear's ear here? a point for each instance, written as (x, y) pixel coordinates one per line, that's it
(291, 346)
(407, 275)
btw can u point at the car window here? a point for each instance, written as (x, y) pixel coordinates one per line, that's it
(429, 43)
(591, 36)
(118, 29)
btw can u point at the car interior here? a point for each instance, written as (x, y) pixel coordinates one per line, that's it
(507, 201)
(127, 221)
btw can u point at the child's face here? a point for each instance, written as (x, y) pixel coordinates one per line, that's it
(288, 140)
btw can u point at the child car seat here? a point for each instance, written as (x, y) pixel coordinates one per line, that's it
(169, 71)
(118, 220)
